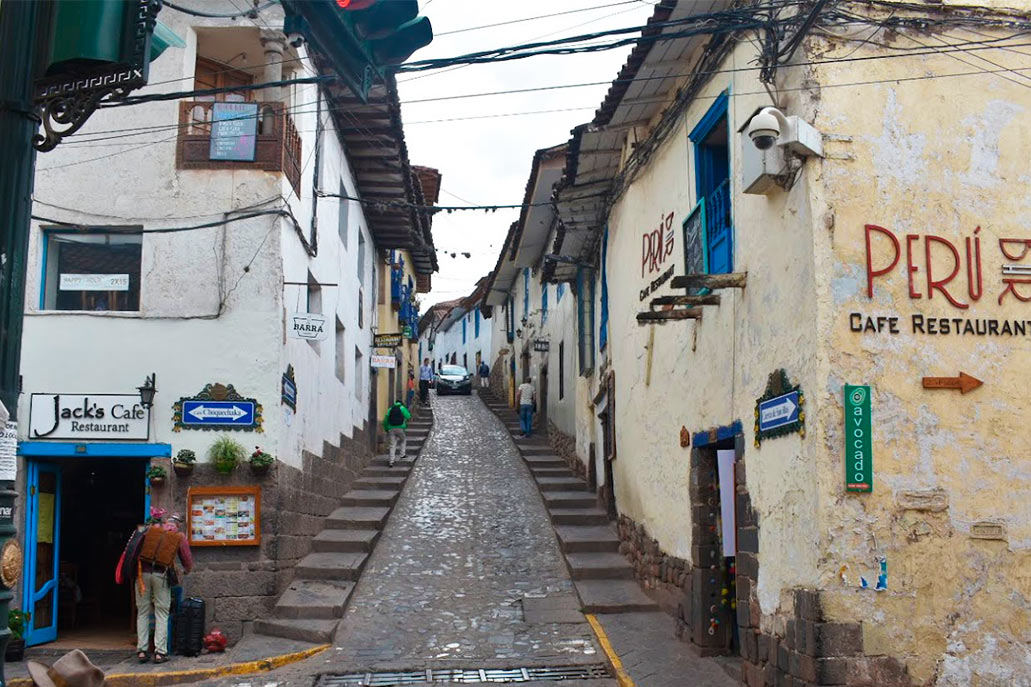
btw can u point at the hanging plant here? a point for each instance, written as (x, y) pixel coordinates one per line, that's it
(184, 462)
(226, 453)
(260, 461)
(156, 475)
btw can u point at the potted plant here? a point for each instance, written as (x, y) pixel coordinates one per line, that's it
(261, 461)
(226, 453)
(16, 646)
(156, 475)
(183, 462)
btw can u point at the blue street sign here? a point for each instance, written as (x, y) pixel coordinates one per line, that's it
(778, 411)
(209, 413)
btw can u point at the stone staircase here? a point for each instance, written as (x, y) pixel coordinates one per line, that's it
(588, 540)
(311, 607)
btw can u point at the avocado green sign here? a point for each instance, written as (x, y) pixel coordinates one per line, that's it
(858, 439)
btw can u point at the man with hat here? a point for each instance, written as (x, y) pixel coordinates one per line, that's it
(150, 559)
(71, 670)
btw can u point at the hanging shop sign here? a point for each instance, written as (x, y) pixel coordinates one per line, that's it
(111, 417)
(388, 362)
(289, 390)
(234, 128)
(407, 331)
(858, 439)
(309, 326)
(780, 410)
(224, 516)
(541, 345)
(217, 407)
(389, 341)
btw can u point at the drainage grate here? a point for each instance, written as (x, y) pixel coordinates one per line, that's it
(465, 676)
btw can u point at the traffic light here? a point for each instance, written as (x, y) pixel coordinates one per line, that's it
(361, 37)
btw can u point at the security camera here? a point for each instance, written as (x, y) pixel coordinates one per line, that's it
(766, 127)
(295, 39)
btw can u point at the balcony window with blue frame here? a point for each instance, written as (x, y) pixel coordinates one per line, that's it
(603, 327)
(544, 304)
(397, 267)
(526, 293)
(559, 290)
(711, 140)
(465, 326)
(476, 323)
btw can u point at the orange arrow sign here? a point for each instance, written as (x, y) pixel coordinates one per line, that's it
(963, 382)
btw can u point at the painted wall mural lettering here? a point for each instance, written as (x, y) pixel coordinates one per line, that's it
(657, 246)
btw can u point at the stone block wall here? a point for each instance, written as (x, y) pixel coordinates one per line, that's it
(667, 578)
(242, 583)
(565, 446)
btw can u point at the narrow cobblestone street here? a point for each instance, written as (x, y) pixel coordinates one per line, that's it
(468, 541)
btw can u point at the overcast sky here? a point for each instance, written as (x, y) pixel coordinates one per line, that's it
(487, 161)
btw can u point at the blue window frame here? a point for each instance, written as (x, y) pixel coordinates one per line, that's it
(544, 304)
(476, 323)
(559, 290)
(526, 293)
(711, 139)
(603, 327)
(465, 325)
(510, 319)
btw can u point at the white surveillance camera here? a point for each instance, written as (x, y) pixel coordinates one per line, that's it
(295, 39)
(766, 127)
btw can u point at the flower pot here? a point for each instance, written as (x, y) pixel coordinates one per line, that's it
(15, 651)
(157, 481)
(259, 469)
(183, 469)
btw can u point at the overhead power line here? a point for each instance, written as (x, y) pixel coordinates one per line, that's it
(438, 208)
(533, 18)
(251, 13)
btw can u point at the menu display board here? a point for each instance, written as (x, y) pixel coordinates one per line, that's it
(695, 259)
(224, 516)
(234, 127)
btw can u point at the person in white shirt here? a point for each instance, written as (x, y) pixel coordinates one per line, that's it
(425, 377)
(526, 398)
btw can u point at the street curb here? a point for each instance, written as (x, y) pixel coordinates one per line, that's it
(178, 677)
(611, 657)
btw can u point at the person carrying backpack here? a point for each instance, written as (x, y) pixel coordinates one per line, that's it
(149, 563)
(484, 375)
(396, 423)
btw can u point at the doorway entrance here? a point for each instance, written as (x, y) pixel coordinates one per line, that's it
(80, 512)
(543, 414)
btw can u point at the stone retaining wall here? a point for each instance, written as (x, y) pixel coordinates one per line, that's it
(565, 446)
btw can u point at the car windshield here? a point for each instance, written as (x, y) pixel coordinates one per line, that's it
(453, 371)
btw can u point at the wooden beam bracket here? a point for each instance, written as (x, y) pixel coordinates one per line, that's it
(669, 315)
(732, 280)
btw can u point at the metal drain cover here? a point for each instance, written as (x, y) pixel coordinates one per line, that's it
(476, 676)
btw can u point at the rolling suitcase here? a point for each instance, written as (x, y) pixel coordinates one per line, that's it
(189, 627)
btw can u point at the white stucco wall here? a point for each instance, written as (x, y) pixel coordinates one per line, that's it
(180, 332)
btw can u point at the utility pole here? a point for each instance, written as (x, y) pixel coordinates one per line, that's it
(19, 23)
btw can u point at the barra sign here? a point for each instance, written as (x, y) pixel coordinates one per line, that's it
(858, 439)
(88, 416)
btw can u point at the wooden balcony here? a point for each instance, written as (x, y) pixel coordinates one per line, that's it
(277, 145)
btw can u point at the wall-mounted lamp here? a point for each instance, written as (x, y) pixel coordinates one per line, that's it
(148, 390)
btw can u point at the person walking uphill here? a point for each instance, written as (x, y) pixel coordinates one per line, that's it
(484, 372)
(527, 406)
(425, 377)
(395, 422)
(149, 563)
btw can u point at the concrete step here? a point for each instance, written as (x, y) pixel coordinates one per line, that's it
(570, 499)
(313, 631)
(374, 471)
(551, 472)
(587, 538)
(613, 596)
(357, 518)
(392, 482)
(370, 497)
(534, 449)
(578, 516)
(331, 566)
(313, 600)
(599, 566)
(545, 460)
(561, 484)
(384, 461)
(345, 541)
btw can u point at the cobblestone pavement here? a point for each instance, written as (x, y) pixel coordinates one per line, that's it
(467, 541)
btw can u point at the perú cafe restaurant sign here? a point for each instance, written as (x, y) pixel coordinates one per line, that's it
(937, 269)
(88, 416)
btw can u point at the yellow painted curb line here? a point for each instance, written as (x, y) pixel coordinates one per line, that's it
(175, 677)
(617, 666)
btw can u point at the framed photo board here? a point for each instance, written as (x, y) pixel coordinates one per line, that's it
(695, 258)
(224, 516)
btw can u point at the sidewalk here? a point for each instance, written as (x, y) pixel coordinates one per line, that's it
(252, 654)
(653, 657)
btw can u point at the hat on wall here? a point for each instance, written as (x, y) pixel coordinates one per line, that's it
(71, 670)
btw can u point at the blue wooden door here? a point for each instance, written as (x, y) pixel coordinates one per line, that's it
(718, 229)
(42, 543)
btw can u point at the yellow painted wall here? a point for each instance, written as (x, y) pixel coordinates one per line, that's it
(387, 318)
